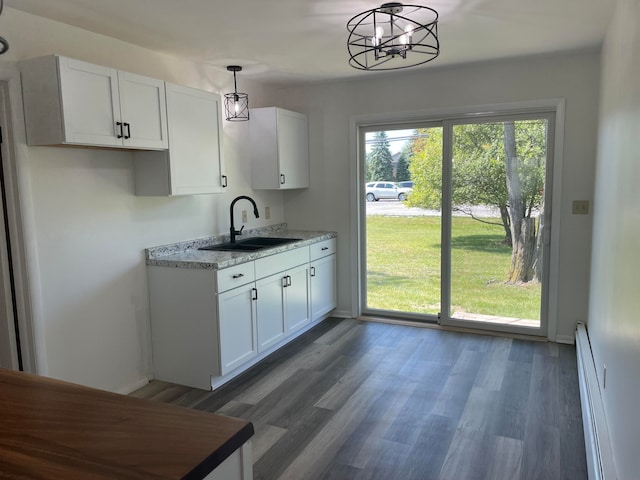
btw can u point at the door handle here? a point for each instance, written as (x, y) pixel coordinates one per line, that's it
(254, 293)
(282, 179)
(324, 248)
(238, 275)
(128, 134)
(224, 181)
(313, 271)
(119, 132)
(288, 281)
(284, 282)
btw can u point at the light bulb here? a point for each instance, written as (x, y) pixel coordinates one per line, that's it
(236, 103)
(408, 30)
(375, 41)
(379, 32)
(404, 39)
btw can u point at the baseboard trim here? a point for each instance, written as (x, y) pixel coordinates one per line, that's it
(596, 433)
(568, 339)
(132, 387)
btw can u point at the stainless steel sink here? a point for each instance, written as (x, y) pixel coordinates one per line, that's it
(251, 244)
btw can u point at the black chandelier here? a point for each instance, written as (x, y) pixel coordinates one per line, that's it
(393, 36)
(236, 104)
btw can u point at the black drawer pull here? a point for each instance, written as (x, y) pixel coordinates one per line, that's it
(128, 134)
(119, 125)
(238, 275)
(313, 271)
(324, 248)
(254, 292)
(224, 181)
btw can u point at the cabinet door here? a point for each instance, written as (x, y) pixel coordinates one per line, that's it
(195, 140)
(297, 299)
(236, 314)
(323, 286)
(90, 102)
(293, 149)
(144, 111)
(270, 311)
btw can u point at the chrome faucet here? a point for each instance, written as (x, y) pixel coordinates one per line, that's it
(232, 231)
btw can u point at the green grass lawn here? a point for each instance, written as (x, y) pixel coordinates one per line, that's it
(403, 260)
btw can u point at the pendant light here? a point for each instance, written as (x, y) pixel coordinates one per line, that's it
(393, 36)
(4, 45)
(236, 104)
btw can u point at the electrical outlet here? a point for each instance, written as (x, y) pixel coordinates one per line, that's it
(580, 207)
(267, 213)
(604, 376)
(244, 216)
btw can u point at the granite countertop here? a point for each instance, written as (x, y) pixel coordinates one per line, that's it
(187, 255)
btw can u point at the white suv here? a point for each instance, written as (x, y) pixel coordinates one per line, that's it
(377, 190)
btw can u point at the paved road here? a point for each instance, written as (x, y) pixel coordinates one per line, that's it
(396, 208)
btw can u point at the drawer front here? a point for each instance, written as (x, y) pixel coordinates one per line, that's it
(235, 276)
(322, 249)
(281, 261)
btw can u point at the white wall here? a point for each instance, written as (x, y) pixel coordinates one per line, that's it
(331, 105)
(614, 319)
(87, 228)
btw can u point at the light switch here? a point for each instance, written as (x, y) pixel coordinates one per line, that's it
(580, 207)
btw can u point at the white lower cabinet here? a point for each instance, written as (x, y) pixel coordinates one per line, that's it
(237, 327)
(209, 326)
(270, 312)
(296, 299)
(322, 275)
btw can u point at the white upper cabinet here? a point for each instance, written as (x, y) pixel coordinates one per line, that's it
(71, 102)
(143, 111)
(193, 163)
(280, 149)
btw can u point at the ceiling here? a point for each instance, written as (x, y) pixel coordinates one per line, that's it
(299, 41)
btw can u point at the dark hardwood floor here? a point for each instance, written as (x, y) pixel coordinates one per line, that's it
(362, 400)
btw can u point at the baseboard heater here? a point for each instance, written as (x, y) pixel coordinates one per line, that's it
(596, 434)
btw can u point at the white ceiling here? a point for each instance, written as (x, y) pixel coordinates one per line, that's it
(296, 41)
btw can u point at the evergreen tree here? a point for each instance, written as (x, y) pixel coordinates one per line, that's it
(402, 170)
(379, 160)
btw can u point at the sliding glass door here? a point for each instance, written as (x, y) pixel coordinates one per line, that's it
(455, 222)
(403, 233)
(497, 248)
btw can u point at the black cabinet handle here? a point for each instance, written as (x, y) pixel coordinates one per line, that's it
(224, 181)
(128, 134)
(238, 275)
(324, 248)
(119, 132)
(282, 179)
(284, 282)
(288, 281)
(313, 271)
(254, 294)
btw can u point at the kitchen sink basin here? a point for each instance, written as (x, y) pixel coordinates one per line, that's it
(268, 241)
(250, 244)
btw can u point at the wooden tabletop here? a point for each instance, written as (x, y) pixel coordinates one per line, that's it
(53, 429)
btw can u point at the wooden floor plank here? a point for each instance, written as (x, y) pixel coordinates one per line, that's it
(357, 400)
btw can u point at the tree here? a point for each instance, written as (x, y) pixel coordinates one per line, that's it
(379, 160)
(402, 169)
(496, 164)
